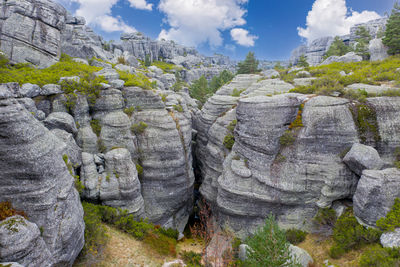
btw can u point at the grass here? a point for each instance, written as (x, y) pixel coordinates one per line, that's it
(139, 80)
(166, 67)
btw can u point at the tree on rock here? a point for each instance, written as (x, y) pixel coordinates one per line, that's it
(337, 48)
(303, 62)
(392, 34)
(249, 65)
(362, 46)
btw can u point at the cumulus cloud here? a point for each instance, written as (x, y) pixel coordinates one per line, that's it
(141, 4)
(193, 22)
(331, 18)
(98, 13)
(243, 37)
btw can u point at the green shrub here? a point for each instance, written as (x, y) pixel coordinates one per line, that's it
(303, 62)
(78, 184)
(139, 128)
(326, 216)
(380, 257)
(249, 65)
(366, 122)
(229, 141)
(348, 234)
(269, 247)
(392, 219)
(287, 139)
(96, 126)
(172, 233)
(129, 111)
(236, 92)
(139, 169)
(139, 80)
(166, 67)
(192, 259)
(178, 108)
(95, 233)
(101, 146)
(231, 127)
(295, 236)
(6, 210)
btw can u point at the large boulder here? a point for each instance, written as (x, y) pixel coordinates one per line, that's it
(302, 256)
(349, 57)
(61, 120)
(377, 50)
(375, 194)
(391, 239)
(362, 157)
(36, 180)
(21, 241)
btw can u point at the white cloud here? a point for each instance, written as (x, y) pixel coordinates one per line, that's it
(194, 22)
(242, 37)
(98, 13)
(331, 18)
(141, 4)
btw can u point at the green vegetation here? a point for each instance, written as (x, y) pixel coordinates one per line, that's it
(139, 169)
(392, 34)
(231, 127)
(161, 240)
(6, 210)
(326, 216)
(96, 126)
(178, 108)
(129, 111)
(229, 141)
(287, 139)
(166, 67)
(348, 234)
(236, 92)
(139, 128)
(377, 256)
(202, 90)
(192, 259)
(366, 122)
(269, 247)
(249, 65)
(298, 122)
(392, 219)
(303, 62)
(363, 39)
(295, 236)
(147, 61)
(139, 80)
(78, 184)
(337, 48)
(329, 79)
(121, 60)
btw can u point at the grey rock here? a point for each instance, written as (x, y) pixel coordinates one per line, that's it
(61, 120)
(51, 89)
(35, 179)
(59, 104)
(362, 157)
(44, 105)
(125, 68)
(29, 104)
(268, 87)
(317, 49)
(303, 74)
(21, 242)
(108, 74)
(29, 90)
(100, 64)
(373, 27)
(303, 81)
(87, 139)
(271, 74)
(80, 60)
(168, 80)
(371, 89)
(375, 194)
(391, 239)
(377, 50)
(75, 79)
(110, 100)
(9, 90)
(302, 256)
(117, 84)
(243, 248)
(349, 57)
(11, 264)
(72, 150)
(156, 70)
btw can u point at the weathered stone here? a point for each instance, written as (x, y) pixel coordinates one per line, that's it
(375, 194)
(72, 150)
(349, 57)
(362, 157)
(61, 120)
(108, 74)
(377, 50)
(71, 79)
(391, 239)
(302, 256)
(9, 90)
(117, 84)
(29, 90)
(51, 89)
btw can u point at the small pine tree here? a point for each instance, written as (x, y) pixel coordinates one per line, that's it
(364, 37)
(199, 89)
(249, 65)
(303, 62)
(392, 34)
(147, 61)
(337, 48)
(269, 247)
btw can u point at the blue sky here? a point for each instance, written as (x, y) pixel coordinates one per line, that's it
(270, 28)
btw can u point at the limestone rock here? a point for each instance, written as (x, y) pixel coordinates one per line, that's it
(35, 179)
(20, 241)
(271, 74)
(375, 194)
(51, 89)
(362, 157)
(72, 150)
(349, 57)
(302, 256)
(377, 50)
(108, 74)
(61, 120)
(371, 89)
(29, 90)
(391, 239)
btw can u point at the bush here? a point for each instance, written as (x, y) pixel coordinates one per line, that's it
(249, 65)
(366, 122)
(121, 60)
(269, 247)
(95, 233)
(192, 259)
(129, 111)
(287, 139)
(392, 219)
(96, 126)
(380, 257)
(229, 141)
(348, 234)
(166, 67)
(231, 127)
(326, 216)
(162, 244)
(6, 210)
(236, 92)
(139, 128)
(172, 233)
(295, 236)
(392, 34)
(139, 169)
(178, 108)
(303, 62)
(139, 80)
